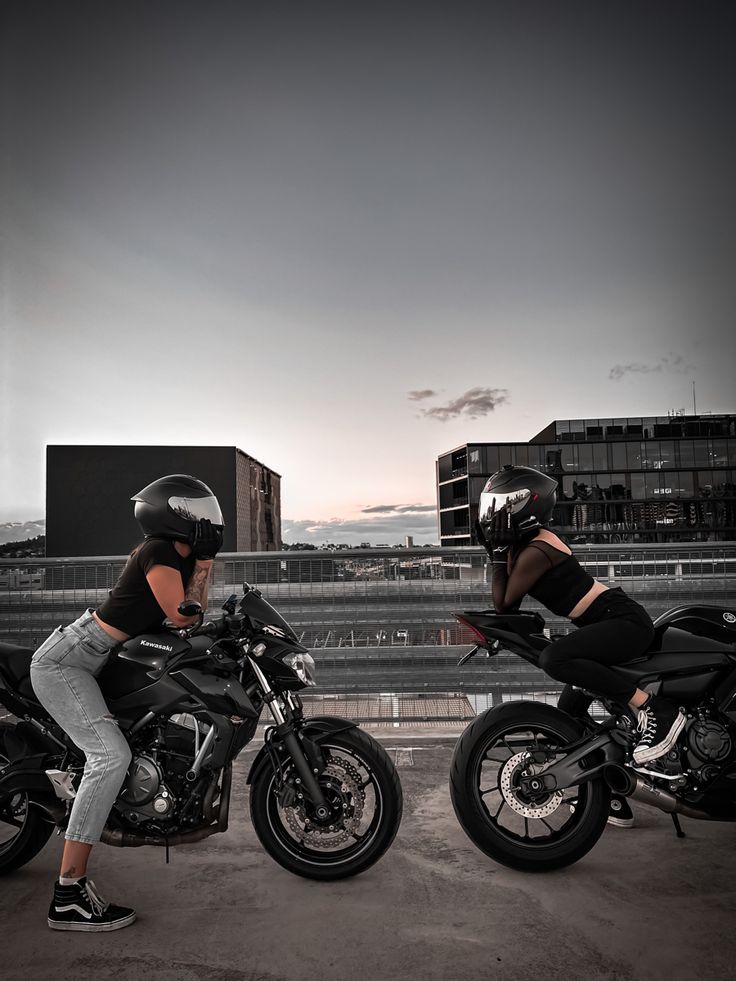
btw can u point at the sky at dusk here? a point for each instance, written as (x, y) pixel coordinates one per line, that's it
(347, 237)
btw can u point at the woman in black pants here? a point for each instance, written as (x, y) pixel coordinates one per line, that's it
(515, 508)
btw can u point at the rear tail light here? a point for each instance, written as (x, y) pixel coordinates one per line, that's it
(472, 628)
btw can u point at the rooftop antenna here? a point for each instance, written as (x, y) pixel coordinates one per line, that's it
(695, 411)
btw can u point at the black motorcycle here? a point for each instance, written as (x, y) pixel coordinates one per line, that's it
(325, 799)
(531, 785)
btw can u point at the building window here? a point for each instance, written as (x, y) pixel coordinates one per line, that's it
(719, 454)
(634, 456)
(490, 459)
(618, 456)
(638, 486)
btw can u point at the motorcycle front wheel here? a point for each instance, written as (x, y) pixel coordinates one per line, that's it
(362, 787)
(533, 835)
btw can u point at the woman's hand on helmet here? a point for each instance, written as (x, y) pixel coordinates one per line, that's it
(502, 532)
(206, 539)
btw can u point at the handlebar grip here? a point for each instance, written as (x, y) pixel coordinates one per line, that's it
(208, 629)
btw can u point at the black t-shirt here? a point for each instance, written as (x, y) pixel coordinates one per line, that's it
(131, 605)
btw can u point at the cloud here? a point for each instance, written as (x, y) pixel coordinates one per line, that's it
(390, 525)
(422, 393)
(674, 363)
(19, 531)
(472, 404)
(398, 508)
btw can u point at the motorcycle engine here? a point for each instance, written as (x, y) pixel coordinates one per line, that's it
(156, 776)
(707, 744)
(144, 794)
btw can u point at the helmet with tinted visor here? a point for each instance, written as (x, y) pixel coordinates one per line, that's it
(171, 506)
(528, 495)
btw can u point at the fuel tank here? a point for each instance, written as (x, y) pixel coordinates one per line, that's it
(138, 662)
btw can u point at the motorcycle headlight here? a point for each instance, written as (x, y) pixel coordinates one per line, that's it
(303, 667)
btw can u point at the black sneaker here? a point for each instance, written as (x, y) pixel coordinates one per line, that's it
(660, 723)
(80, 907)
(620, 813)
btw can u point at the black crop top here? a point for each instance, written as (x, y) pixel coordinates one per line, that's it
(131, 605)
(548, 575)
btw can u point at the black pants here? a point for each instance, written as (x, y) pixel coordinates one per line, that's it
(614, 629)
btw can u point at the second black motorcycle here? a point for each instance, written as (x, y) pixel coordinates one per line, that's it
(325, 798)
(531, 785)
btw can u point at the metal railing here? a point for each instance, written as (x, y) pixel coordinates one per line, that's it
(379, 621)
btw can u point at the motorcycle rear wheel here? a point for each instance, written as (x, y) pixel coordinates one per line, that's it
(362, 783)
(489, 758)
(23, 831)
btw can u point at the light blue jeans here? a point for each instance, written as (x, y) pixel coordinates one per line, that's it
(63, 673)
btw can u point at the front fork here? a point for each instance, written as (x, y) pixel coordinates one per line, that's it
(287, 718)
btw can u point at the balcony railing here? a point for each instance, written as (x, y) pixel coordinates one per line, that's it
(380, 621)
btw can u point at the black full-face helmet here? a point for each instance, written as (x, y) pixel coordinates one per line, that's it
(170, 506)
(529, 496)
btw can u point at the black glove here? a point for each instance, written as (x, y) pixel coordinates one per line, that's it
(502, 531)
(206, 539)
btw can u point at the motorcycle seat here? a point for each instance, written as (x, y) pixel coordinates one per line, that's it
(15, 666)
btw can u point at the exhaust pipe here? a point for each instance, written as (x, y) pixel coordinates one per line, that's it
(627, 784)
(135, 839)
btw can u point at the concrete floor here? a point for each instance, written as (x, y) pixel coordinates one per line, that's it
(642, 905)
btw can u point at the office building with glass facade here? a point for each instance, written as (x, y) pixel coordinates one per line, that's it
(643, 479)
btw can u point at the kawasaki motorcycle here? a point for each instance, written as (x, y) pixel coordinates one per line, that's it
(531, 785)
(325, 799)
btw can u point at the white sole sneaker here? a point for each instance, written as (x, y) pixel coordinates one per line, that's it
(92, 927)
(649, 753)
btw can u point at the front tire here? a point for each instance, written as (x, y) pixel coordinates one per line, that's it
(524, 834)
(364, 787)
(23, 831)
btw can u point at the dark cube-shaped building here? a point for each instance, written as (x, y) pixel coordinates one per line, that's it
(88, 491)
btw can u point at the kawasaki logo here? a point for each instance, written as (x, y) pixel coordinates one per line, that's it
(159, 647)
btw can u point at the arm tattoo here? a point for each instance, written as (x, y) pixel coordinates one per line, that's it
(196, 590)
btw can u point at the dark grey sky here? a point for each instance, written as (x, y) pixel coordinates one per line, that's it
(266, 224)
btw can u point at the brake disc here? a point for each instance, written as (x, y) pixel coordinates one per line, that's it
(522, 762)
(316, 836)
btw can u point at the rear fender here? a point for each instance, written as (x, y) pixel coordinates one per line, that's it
(314, 730)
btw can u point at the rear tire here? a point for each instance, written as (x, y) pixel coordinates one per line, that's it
(565, 826)
(30, 837)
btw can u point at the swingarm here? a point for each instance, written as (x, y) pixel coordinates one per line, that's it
(572, 768)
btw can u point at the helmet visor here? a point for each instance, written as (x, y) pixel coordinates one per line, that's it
(491, 502)
(196, 508)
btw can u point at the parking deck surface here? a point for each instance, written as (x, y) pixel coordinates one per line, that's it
(642, 905)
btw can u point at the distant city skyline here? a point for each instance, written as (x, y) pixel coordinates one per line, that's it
(347, 238)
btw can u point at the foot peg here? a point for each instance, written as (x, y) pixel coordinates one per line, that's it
(61, 781)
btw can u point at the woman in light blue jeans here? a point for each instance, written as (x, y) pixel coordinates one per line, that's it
(182, 522)
(63, 672)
